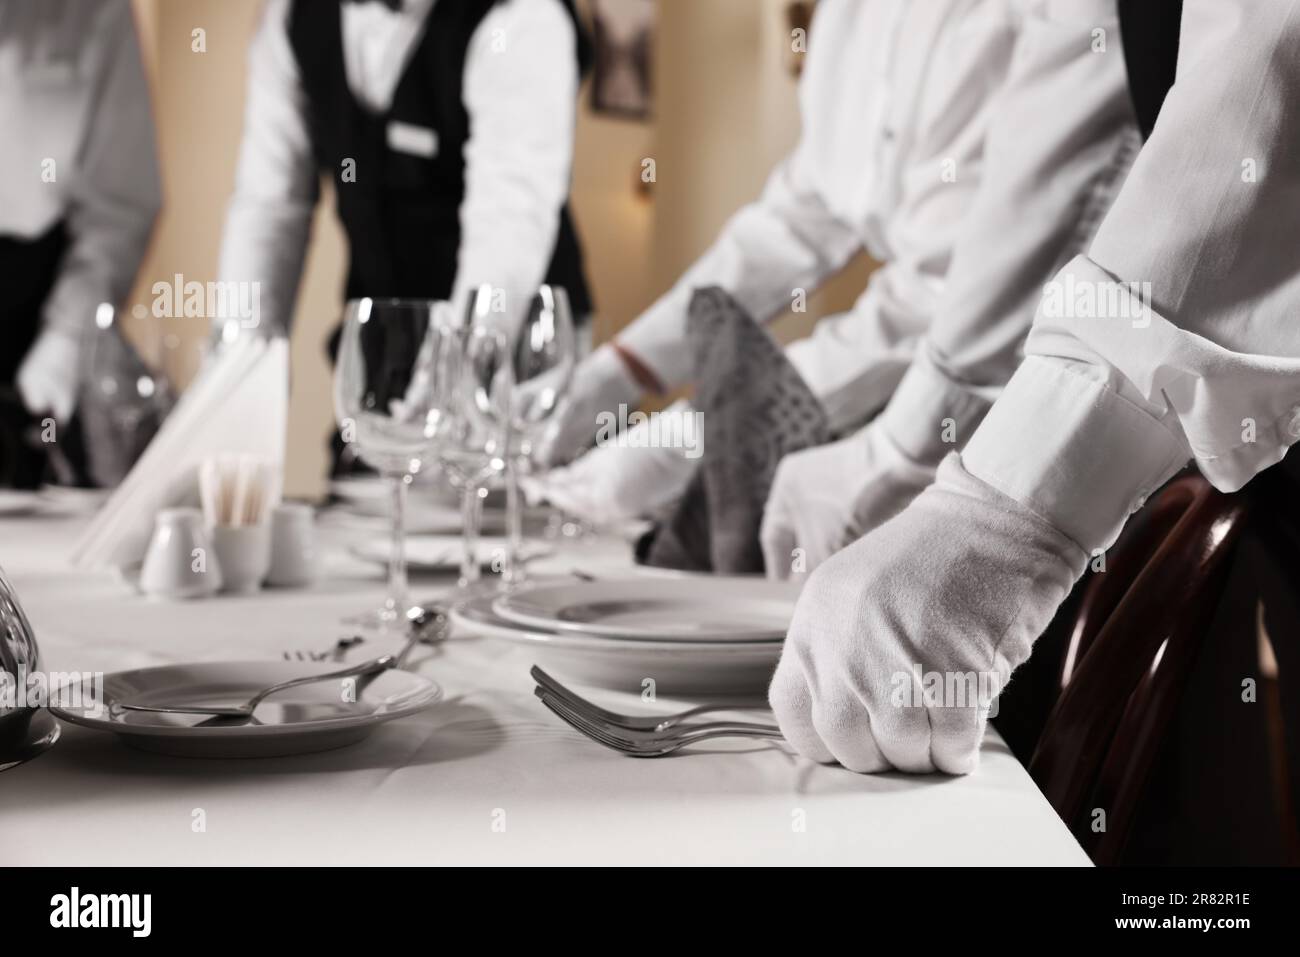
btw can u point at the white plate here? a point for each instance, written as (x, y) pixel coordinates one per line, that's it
(722, 668)
(712, 608)
(15, 502)
(300, 720)
(375, 492)
(421, 518)
(442, 553)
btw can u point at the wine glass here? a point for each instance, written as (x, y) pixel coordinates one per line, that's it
(390, 395)
(542, 357)
(473, 454)
(123, 401)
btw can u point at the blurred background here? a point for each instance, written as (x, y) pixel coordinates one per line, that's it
(722, 110)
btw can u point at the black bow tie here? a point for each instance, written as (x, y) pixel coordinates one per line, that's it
(390, 4)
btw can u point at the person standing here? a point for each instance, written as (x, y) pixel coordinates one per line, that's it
(79, 194)
(446, 128)
(1170, 339)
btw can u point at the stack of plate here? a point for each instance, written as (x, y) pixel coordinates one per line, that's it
(696, 634)
(440, 554)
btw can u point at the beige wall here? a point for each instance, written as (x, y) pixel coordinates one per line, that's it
(725, 113)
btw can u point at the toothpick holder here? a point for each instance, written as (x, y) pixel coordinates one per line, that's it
(244, 554)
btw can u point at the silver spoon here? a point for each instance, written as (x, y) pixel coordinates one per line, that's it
(245, 710)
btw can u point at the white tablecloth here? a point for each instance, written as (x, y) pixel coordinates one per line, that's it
(487, 777)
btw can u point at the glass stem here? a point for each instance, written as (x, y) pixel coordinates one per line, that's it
(395, 605)
(514, 571)
(471, 506)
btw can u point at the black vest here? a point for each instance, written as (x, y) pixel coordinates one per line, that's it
(401, 214)
(1150, 30)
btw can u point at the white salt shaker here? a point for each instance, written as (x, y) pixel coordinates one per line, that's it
(179, 562)
(293, 545)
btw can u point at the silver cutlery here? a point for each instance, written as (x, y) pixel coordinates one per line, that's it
(334, 652)
(653, 744)
(245, 710)
(428, 622)
(423, 622)
(425, 625)
(630, 722)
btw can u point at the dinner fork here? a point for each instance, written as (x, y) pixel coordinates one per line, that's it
(630, 722)
(648, 744)
(334, 652)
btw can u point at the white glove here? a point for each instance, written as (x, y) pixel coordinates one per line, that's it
(958, 586)
(624, 480)
(825, 497)
(50, 375)
(601, 383)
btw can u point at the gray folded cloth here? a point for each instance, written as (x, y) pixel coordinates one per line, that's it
(755, 408)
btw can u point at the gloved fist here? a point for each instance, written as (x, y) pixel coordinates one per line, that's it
(826, 497)
(617, 482)
(50, 375)
(900, 642)
(601, 383)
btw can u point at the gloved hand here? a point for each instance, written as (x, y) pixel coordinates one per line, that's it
(50, 375)
(617, 482)
(825, 497)
(601, 383)
(900, 641)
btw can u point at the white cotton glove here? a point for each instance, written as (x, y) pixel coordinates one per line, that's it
(50, 375)
(825, 497)
(958, 585)
(628, 479)
(601, 383)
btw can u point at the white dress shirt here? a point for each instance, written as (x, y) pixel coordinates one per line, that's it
(520, 87)
(1061, 139)
(894, 95)
(1026, 102)
(1015, 99)
(1119, 390)
(74, 103)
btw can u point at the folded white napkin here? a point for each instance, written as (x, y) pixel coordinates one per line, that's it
(238, 404)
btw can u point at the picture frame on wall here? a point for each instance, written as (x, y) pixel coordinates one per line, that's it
(622, 81)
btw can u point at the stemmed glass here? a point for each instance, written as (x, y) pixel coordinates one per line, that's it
(123, 401)
(542, 361)
(390, 395)
(474, 452)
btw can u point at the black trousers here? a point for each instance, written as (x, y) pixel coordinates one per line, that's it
(28, 271)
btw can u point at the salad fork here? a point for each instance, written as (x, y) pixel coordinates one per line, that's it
(334, 652)
(629, 722)
(654, 744)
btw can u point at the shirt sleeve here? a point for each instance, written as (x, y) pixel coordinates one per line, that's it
(115, 200)
(521, 84)
(276, 186)
(1173, 338)
(1061, 138)
(785, 240)
(791, 237)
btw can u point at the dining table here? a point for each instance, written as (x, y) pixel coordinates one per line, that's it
(487, 776)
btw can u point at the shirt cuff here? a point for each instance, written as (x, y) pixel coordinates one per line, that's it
(657, 338)
(1240, 413)
(73, 303)
(931, 413)
(1063, 443)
